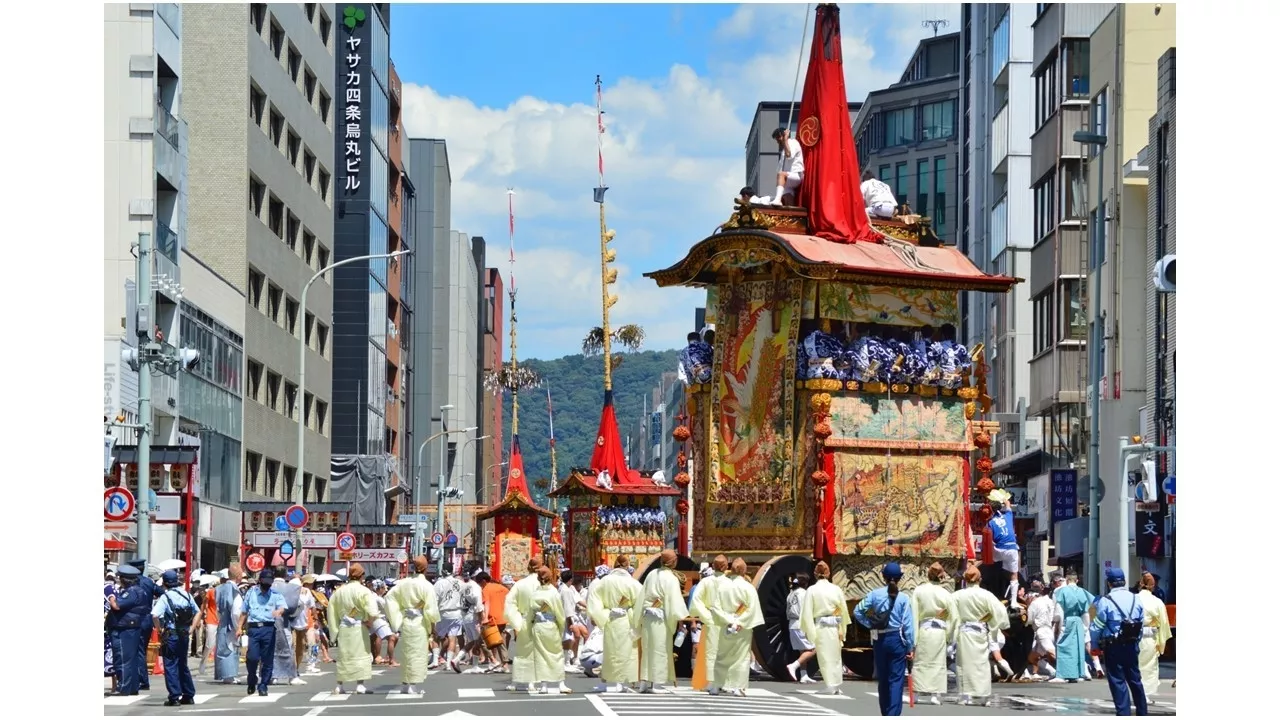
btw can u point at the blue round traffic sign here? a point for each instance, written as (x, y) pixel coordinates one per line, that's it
(346, 542)
(282, 525)
(1168, 486)
(296, 517)
(451, 540)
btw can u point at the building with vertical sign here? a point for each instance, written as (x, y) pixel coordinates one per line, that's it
(1124, 90)
(1162, 309)
(369, 372)
(259, 97)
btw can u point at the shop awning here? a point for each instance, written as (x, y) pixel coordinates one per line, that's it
(1023, 463)
(160, 454)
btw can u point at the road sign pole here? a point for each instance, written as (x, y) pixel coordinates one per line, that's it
(144, 397)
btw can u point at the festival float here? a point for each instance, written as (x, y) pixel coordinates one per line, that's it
(613, 509)
(516, 517)
(841, 419)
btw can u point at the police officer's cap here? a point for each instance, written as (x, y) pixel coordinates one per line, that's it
(129, 571)
(169, 578)
(1115, 575)
(140, 564)
(267, 574)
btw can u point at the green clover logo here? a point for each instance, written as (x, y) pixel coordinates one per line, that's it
(352, 16)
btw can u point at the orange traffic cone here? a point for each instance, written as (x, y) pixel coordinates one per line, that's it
(157, 667)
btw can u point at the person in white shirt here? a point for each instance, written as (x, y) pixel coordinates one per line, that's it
(790, 169)
(799, 642)
(877, 196)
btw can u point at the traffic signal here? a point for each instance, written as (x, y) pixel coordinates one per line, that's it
(1163, 274)
(1142, 477)
(130, 357)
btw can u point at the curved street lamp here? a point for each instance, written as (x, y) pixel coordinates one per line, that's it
(302, 386)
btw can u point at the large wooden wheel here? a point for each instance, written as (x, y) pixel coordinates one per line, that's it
(686, 567)
(771, 642)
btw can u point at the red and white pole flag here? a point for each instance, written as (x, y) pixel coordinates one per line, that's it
(600, 130)
(551, 418)
(511, 235)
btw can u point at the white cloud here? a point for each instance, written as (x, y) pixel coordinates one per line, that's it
(674, 159)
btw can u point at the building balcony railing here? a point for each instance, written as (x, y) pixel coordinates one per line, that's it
(166, 242)
(167, 125)
(1000, 139)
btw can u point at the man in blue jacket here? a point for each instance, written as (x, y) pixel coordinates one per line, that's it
(128, 609)
(153, 591)
(1117, 630)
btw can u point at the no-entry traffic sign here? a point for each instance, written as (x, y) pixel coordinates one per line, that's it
(296, 517)
(117, 504)
(346, 542)
(255, 562)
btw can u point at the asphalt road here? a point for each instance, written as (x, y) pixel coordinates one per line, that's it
(452, 695)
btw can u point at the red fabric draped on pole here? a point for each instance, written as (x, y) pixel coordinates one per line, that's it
(832, 187)
(515, 478)
(608, 454)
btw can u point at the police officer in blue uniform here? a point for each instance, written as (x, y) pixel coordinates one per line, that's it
(153, 591)
(887, 613)
(128, 608)
(174, 613)
(262, 606)
(1116, 630)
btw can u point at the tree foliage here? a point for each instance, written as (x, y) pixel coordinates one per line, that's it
(577, 395)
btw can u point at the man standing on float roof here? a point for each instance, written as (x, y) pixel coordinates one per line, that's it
(790, 168)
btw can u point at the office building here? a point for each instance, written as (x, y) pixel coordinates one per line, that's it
(448, 341)
(492, 456)
(427, 164)
(1059, 258)
(1126, 49)
(259, 96)
(762, 149)
(995, 229)
(370, 378)
(1161, 153)
(907, 133)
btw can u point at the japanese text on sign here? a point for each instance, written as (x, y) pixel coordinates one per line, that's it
(352, 115)
(1062, 494)
(369, 555)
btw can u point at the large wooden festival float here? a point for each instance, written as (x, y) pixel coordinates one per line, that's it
(841, 422)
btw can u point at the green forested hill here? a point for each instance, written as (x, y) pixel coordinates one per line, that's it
(577, 395)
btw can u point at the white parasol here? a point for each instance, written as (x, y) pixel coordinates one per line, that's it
(327, 578)
(172, 565)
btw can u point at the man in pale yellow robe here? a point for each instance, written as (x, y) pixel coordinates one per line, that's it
(703, 608)
(737, 612)
(662, 611)
(516, 612)
(545, 623)
(614, 605)
(979, 617)
(412, 611)
(1155, 633)
(351, 608)
(934, 609)
(824, 619)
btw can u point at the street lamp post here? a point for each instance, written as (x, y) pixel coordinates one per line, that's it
(302, 386)
(444, 450)
(462, 496)
(1095, 368)
(417, 482)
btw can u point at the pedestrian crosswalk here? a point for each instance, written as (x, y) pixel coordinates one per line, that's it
(686, 701)
(281, 694)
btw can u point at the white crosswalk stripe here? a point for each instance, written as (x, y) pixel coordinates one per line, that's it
(686, 701)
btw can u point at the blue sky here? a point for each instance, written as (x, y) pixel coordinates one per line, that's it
(510, 89)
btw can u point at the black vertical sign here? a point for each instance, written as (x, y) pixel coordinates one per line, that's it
(352, 75)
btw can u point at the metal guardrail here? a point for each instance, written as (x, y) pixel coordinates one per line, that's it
(166, 125)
